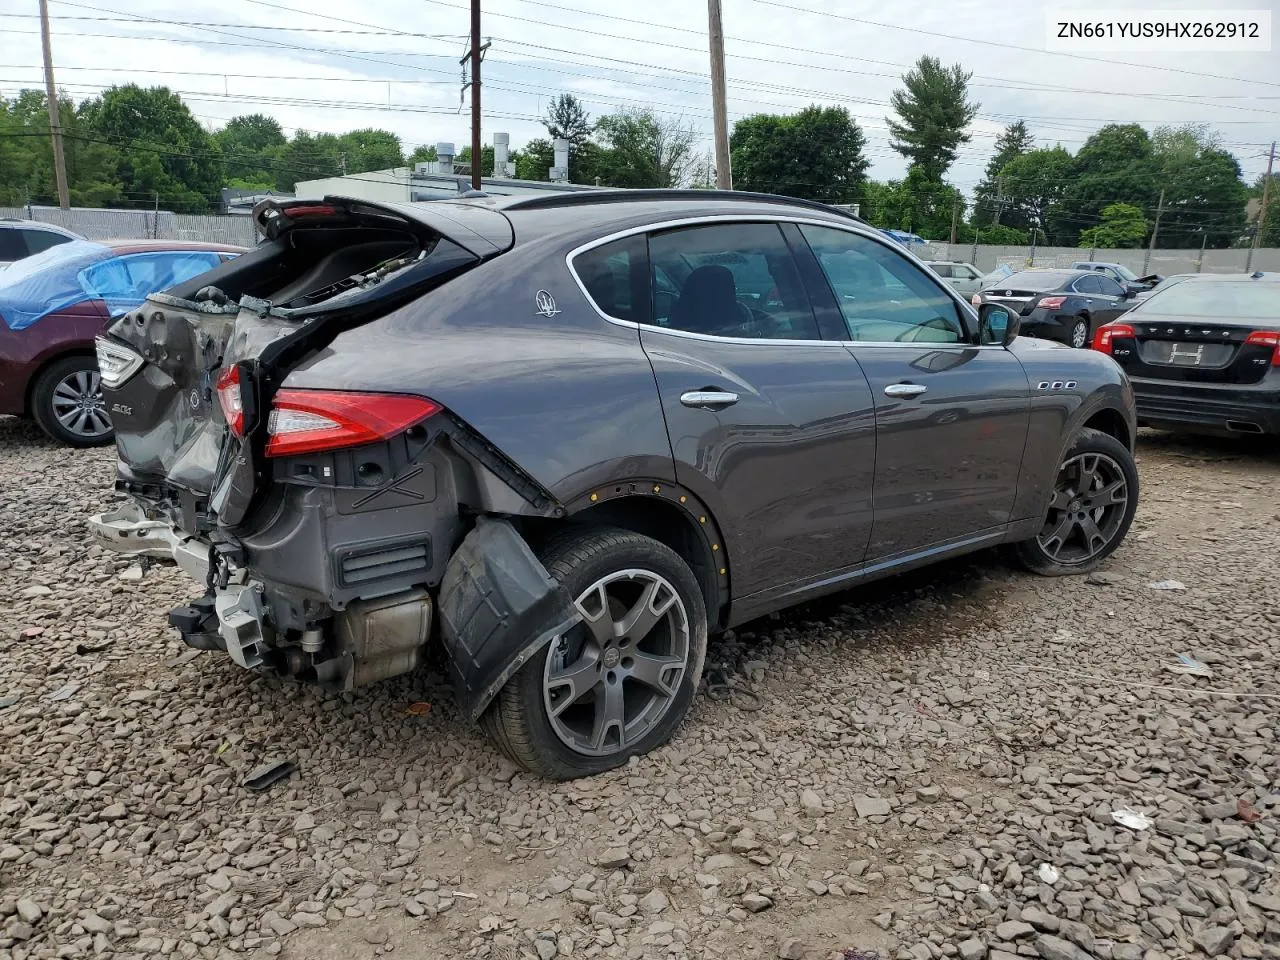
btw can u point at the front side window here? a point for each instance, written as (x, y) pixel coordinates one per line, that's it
(1109, 287)
(883, 296)
(729, 280)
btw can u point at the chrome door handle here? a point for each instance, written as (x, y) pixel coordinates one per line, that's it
(708, 399)
(904, 390)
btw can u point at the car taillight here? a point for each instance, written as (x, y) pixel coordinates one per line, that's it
(1109, 332)
(1053, 303)
(116, 362)
(311, 421)
(230, 399)
(1266, 338)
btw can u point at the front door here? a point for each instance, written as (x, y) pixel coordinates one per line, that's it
(770, 424)
(951, 416)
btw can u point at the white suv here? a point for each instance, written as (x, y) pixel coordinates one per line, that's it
(22, 238)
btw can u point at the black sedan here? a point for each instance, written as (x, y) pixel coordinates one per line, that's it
(1204, 354)
(1062, 305)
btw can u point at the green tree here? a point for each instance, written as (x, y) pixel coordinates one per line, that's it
(568, 119)
(816, 154)
(1112, 166)
(165, 154)
(1037, 181)
(1013, 142)
(535, 160)
(422, 154)
(998, 235)
(1271, 224)
(370, 149)
(251, 146)
(1204, 195)
(934, 113)
(644, 149)
(1123, 225)
(307, 157)
(915, 204)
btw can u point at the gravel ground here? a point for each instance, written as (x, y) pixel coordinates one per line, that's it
(933, 769)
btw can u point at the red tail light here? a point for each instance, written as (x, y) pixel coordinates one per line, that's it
(1266, 338)
(1053, 303)
(310, 421)
(230, 400)
(1108, 332)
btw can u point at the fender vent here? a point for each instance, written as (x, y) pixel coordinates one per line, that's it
(382, 561)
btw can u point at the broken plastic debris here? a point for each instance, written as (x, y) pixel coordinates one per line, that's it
(269, 773)
(1131, 819)
(83, 648)
(1245, 810)
(1048, 873)
(65, 691)
(1189, 665)
(419, 709)
(1167, 585)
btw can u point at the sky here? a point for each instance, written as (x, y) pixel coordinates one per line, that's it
(331, 66)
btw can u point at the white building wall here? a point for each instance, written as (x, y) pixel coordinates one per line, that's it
(386, 186)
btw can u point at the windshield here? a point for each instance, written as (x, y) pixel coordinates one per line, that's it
(1032, 280)
(1225, 300)
(1125, 272)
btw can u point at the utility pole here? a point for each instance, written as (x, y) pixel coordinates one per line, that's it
(1155, 231)
(55, 117)
(1000, 199)
(955, 216)
(1262, 214)
(476, 148)
(720, 114)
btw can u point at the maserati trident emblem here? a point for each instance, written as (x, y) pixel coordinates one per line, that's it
(193, 398)
(546, 304)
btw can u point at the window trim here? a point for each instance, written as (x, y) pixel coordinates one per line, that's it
(965, 307)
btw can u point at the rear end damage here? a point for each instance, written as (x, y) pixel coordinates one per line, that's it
(333, 532)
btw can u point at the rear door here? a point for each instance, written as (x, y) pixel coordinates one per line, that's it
(951, 416)
(770, 424)
(1109, 300)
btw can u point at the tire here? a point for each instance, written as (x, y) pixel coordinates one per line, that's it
(1053, 553)
(1078, 336)
(67, 403)
(520, 720)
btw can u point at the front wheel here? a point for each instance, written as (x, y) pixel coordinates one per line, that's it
(67, 403)
(1095, 495)
(620, 681)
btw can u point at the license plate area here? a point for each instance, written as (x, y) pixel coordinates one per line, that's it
(1177, 353)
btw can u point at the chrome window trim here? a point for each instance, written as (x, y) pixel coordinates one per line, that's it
(708, 220)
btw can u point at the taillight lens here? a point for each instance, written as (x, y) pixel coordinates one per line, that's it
(1053, 303)
(311, 421)
(116, 362)
(1106, 334)
(231, 400)
(1266, 338)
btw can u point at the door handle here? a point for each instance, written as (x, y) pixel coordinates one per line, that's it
(708, 399)
(904, 390)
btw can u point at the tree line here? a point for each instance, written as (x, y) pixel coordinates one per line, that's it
(135, 147)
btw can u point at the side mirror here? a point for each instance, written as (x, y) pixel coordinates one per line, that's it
(997, 324)
(1130, 292)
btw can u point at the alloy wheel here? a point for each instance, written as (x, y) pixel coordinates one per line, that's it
(1087, 508)
(1079, 334)
(79, 406)
(615, 675)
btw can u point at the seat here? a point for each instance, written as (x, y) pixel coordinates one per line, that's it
(708, 303)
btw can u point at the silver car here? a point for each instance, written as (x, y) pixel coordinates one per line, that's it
(965, 277)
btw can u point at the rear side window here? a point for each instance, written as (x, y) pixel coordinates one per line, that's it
(41, 240)
(730, 280)
(11, 245)
(944, 270)
(1089, 284)
(614, 277)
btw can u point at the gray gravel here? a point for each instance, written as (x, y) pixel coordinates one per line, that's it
(932, 771)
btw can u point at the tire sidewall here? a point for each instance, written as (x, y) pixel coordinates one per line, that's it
(42, 402)
(1094, 441)
(637, 553)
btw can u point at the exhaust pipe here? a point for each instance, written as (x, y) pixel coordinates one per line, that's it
(1243, 426)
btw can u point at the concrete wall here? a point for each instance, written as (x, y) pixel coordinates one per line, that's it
(1163, 262)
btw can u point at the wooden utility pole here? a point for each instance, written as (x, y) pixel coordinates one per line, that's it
(476, 148)
(1155, 232)
(720, 114)
(1266, 198)
(955, 216)
(995, 221)
(55, 117)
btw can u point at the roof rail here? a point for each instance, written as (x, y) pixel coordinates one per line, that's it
(622, 195)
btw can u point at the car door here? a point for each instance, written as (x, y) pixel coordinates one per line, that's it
(965, 279)
(1101, 308)
(771, 425)
(951, 414)
(1111, 300)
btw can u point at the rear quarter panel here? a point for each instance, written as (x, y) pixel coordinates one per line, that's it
(570, 398)
(23, 353)
(1068, 387)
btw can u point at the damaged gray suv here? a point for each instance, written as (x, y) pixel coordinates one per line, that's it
(569, 437)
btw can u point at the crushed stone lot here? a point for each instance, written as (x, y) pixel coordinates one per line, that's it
(967, 762)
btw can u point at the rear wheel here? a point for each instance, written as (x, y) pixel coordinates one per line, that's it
(619, 683)
(1095, 495)
(1079, 336)
(67, 403)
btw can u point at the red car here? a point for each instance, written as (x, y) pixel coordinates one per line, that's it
(53, 305)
